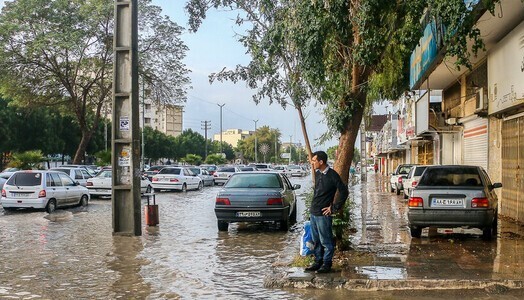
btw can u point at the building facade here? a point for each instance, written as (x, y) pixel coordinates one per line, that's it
(232, 136)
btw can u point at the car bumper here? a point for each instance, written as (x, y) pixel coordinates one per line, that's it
(447, 217)
(99, 192)
(221, 179)
(24, 203)
(167, 186)
(229, 214)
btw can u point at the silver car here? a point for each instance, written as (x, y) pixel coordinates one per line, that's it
(256, 197)
(207, 178)
(454, 196)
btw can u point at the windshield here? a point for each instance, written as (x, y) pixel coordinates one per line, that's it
(419, 171)
(174, 171)
(254, 181)
(445, 176)
(104, 174)
(226, 170)
(195, 170)
(25, 179)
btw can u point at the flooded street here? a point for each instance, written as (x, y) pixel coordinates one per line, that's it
(72, 254)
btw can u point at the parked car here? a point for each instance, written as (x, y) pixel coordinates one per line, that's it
(87, 168)
(176, 178)
(210, 168)
(411, 180)
(101, 184)
(3, 179)
(43, 190)
(256, 197)
(223, 173)
(247, 169)
(9, 171)
(397, 177)
(152, 171)
(78, 174)
(280, 169)
(262, 167)
(294, 170)
(454, 196)
(207, 179)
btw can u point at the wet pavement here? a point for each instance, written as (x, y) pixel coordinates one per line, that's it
(72, 254)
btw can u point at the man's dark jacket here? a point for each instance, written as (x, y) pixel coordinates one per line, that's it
(326, 185)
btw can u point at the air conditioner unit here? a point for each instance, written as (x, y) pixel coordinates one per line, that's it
(481, 100)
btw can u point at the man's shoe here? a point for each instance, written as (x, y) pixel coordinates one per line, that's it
(313, 267)
(323, 270)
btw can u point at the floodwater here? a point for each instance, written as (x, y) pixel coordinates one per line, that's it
(72, 254)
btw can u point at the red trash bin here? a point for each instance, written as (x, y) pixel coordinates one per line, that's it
(151, 211)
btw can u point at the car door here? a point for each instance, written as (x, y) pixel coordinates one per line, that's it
(289, 194)
(71, 190)
(57, 189)
(190, 179)
(86, 175)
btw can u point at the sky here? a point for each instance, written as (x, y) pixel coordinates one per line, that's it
(214, 47)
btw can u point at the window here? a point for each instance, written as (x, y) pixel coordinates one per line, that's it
(254, 181)
(55, 180)
(147, 120)
(25, 179)
(78, 174)
(66, 180)
(172, 171)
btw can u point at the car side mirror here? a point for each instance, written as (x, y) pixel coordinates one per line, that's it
(77, 183)
(296, 186)
(496, 185)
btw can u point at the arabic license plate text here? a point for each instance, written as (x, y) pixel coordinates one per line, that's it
(248, 214)
(447, 202)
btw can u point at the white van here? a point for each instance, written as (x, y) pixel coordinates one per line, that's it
(42, 189)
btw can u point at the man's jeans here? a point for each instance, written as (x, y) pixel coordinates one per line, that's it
(322, 235)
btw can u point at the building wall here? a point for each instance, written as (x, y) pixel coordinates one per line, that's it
(232, 136)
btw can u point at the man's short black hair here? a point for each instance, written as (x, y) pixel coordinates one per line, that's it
(321, 156)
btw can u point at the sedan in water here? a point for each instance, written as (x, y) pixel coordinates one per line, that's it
(256, 197)
(100, 185)
(177, 178)
(454, 196)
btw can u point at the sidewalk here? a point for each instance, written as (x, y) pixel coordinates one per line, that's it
(386, 258)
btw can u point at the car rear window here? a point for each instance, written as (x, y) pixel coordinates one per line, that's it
(450, 177)
(195, 170)
(254, 181)
(25, 179)
(246, 169)
(404, 169)
(419, 171)
(226, 170)
(173, 171)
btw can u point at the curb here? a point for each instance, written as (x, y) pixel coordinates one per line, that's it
(302, 280)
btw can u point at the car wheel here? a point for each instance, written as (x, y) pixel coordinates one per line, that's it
(487, 233)
(284, 225)
(416, 232)
(148, 189)
(398, 190)
(405, 195)
(200, 186)
(84, 201)
(184, 188)
(51, 206)
(156, 191)
(222, 226)
(213, 183)
(391, 189)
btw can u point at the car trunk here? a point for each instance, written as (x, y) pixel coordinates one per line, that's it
(249, 197)
(448, 197)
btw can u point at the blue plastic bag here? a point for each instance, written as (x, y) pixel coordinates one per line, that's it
(306, 242)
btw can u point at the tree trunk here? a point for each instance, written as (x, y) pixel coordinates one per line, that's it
(80, 151)
(306, 139)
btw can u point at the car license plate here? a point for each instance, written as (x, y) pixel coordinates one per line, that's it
(248, 214)
(21, 195)
(437, 202)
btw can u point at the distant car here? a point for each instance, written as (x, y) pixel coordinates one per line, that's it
(262, 167)
(207, 179)
(280, 169)
(176, 178)
(411, 180)
(87, 168)
(42, 190)
(101, 184)
(256, 197)
(454, 196)
(3, 179)
(398, 176)
(210, 168)
(78, 174)
(295, 170)
(247, 169)
(223, 173)
(152, 171)
(8, 172)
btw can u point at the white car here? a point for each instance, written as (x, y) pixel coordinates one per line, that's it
(207, 178)
(78, 174)
(176, 178)
(43, 190)
(411, 181)
(223, 173)
(100, 185)
(294, 170)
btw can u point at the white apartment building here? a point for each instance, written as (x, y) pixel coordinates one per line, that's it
(232, 136)
(164, 118)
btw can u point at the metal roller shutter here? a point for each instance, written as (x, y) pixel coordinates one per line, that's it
(475, 137)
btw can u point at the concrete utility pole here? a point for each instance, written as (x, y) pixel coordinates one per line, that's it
(221, 126)
(206, 125)
(143, 123)
(256, 142)
(276, 149)
(363, 158)
(125, 129)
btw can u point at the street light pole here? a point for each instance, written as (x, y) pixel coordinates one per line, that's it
(276, 149)
(290, 143)
(256, 142)
(221, 105)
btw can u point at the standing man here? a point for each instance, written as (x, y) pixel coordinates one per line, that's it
(324, 204)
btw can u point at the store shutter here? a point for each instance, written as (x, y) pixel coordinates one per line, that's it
(475, 137)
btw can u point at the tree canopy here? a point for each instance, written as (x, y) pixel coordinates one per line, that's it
(58, 53)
